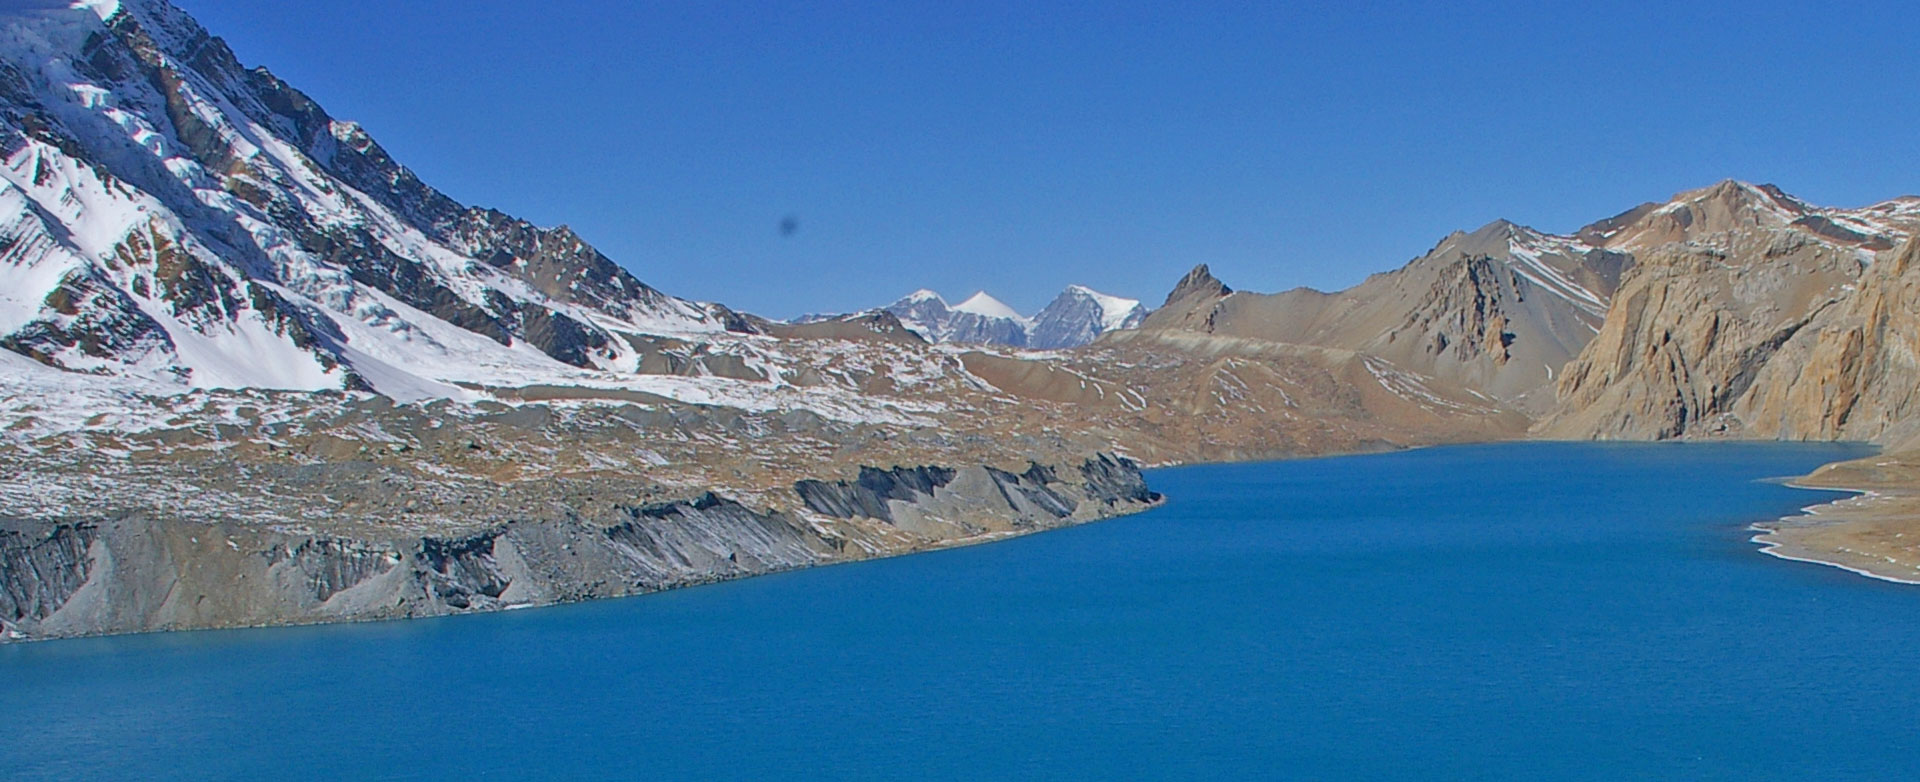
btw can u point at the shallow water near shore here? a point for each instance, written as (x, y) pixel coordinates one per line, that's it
(1538, 610)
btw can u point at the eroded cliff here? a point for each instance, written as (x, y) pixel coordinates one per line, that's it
(142, 572)
(1791, 339)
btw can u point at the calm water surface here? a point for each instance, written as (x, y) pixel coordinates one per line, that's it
(1515, 611)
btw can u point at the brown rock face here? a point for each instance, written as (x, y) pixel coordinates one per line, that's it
(1198, 282)
(1853, 374)
(1764, 334)
(1734, 309)
(1498, 310)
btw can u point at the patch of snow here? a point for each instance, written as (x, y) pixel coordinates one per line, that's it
(1532, 264)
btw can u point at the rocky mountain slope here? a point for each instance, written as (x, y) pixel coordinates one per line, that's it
(1498, 310)
(1751, 318)
(175, 217)
(1730, 311)
(1755, 315)
(298, 507)
(1503, 309)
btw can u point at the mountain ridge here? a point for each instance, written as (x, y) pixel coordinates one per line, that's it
(1503, 308)
(1075, 317)
(188, 214)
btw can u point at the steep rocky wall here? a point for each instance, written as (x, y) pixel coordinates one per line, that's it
(61, 578)
(1853, 374)
(1711, 339)
(870, 494)
(39, 572)
(939, 503)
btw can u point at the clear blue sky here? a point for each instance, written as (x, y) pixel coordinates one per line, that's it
(1019, 147)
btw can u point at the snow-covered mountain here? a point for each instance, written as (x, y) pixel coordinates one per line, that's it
(169, 215)
(1074, 318)
(983, 318)
(1079, 315)
(979, 319)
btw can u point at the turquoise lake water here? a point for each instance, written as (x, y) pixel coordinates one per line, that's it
(1528, 611)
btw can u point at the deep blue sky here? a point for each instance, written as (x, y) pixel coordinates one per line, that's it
(1019, 147)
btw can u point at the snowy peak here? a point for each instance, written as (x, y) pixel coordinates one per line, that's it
(923, 312)
(1115, 312)
(980, 319)
(920, 296)
(988, 307)
(1074, 318)
(1081, 314)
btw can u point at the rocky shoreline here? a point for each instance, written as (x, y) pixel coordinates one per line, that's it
(63, 578)
(1875, 532)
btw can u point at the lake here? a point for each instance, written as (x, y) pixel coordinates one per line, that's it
(1553, 611)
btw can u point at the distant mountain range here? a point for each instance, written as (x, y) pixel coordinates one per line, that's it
(1076, 317)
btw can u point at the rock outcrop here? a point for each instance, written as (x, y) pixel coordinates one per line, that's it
(40, 570)
(913, 497)
(871, 493)
(1854, 371)
(1198, 284)
(1765, 334)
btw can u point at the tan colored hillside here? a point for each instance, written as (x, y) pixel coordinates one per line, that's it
(1745, 323)
(1702, 315)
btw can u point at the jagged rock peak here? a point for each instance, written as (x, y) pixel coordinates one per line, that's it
(1199, 281)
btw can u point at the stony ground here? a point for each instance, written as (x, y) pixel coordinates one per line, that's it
(1876, 532)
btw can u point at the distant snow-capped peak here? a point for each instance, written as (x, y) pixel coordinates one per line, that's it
(1079, 315)
(1076, 317)
(987, 306)
(1114, 310)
